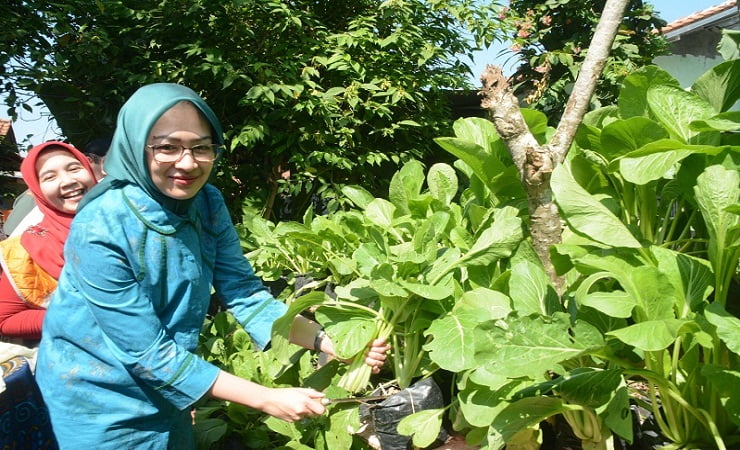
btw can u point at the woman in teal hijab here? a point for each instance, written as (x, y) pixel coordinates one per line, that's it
(116, 365)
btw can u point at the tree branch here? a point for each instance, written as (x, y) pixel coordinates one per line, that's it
(536, 162)
(593, 64)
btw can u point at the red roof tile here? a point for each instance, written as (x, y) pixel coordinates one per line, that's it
(699, 15)
(4, 127)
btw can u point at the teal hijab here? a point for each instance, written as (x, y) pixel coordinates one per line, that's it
(126, 162)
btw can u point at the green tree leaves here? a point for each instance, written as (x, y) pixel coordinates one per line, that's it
(312, 95)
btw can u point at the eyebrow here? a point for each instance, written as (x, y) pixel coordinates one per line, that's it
(166, 136)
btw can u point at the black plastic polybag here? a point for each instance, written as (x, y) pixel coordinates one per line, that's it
(422, 395)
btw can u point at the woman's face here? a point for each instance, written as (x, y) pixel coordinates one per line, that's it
(63, 179)
(182, 124)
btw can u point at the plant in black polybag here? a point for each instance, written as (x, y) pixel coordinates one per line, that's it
(424, 395)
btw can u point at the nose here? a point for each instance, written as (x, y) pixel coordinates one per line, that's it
(186, 161)
(67, 178)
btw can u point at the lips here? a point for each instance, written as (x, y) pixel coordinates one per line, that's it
(77, 193)
(184, 181)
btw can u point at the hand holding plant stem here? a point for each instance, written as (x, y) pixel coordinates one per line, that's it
(374, 356)
(359, 371)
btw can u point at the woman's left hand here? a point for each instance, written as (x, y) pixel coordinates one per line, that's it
(375, 356)
(377, 353)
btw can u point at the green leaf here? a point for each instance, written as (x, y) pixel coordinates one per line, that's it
(440, 291)
(653, 290)
(424, 426)
(208, 431)
(655, 160)
(476, 130)
(717, 192)
(430, 232)
(618, 416)
(531, 291)
(728, 326)
(497, 241)
(473, 144)
(727, 121)
(691, 277)
(675, 109)
(526, 413)
(531, 346)
(651, 335)
(283, 428)
(342, 265)
(442, 182)
(387, 288)
(718, 189)
(280, 343)
(614, 303)
(359, 196)
(589, 386)
(633, 95)
(725, 381)
(623, 136)
(664, 157)
(453, 345)
(720, 85)
(586, 215)
(729, 44)
(406, 185)
(380, 212)
(481, 405)
(444, 263)
(537, 123)
(350, 329)
(453, 341)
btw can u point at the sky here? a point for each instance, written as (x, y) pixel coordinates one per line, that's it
(41, 129)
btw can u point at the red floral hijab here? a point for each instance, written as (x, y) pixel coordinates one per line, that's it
(44, 242)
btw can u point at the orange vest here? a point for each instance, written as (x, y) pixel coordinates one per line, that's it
(32, 284)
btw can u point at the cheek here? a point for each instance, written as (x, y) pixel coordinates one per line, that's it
(157, 172)
(50, 190)
(87, 179)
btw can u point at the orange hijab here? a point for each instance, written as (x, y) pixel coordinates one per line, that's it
(44, 242)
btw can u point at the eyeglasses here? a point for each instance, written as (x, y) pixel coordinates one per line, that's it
(167, 153)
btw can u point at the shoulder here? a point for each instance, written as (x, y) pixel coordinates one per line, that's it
(210, 203)
(130, 206)
(106, 217)
(107, 205)
(211, 194)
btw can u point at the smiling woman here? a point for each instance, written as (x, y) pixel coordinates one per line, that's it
(58, 176)
(117, 364)
(63, 179)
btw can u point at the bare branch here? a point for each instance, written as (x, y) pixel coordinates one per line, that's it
(506, 116)
(593, 64)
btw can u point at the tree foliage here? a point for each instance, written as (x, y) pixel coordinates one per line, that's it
(551, 39)
(313, 95)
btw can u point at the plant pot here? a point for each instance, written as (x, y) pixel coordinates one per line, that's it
(385, 416)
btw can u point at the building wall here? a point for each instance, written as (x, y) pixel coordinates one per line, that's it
(693, 46)
(691, 56)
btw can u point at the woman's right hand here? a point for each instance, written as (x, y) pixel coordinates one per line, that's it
(289, 404)
(292, 404)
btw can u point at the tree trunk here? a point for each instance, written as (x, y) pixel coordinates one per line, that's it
(534, 161)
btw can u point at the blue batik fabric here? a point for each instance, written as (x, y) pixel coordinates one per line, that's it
(116, 364)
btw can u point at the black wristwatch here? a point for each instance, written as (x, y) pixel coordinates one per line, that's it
(317, 340)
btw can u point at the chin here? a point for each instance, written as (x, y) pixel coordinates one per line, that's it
(180, 195)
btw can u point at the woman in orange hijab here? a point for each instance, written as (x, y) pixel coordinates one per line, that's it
(58, 175)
